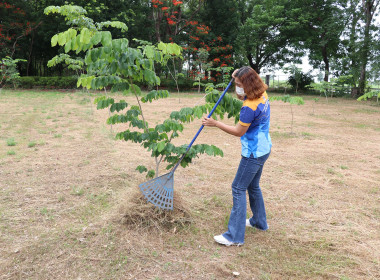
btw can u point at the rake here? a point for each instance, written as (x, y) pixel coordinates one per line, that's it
(159, 191)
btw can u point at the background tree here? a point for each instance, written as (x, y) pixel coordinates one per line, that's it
(374, 71)
(369, 8)
(223, 19)
(14, 27)
(325, 25)
(265, 37)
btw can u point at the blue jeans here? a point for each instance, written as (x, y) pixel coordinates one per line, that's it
(247, 178)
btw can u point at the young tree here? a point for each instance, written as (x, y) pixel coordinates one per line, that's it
(297, 78)
(113, 63)
(202, 66)
(8, 71)
(292, 100)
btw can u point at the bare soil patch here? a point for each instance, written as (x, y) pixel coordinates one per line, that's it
(70, 209)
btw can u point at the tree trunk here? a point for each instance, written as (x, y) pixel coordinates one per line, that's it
(255, 66)
(157, 24)
(30, 54)
(326, 61)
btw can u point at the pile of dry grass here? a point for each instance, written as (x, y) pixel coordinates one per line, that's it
(139, 213)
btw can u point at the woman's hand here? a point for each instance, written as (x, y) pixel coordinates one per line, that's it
(209, 122)
(237, 130)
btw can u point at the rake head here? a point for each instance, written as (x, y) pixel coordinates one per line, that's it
(159, 191)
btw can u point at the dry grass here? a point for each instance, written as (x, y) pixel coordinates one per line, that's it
(70, 207)
(137, 213)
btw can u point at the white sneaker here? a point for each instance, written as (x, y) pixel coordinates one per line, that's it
(247, 223)
(222, 240)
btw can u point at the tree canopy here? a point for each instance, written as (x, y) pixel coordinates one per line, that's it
(340, 37)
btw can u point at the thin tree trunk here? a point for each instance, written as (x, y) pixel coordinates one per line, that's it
(157, 18)
(326, 61)
(352, 49)
(291, 110)
(30, 54)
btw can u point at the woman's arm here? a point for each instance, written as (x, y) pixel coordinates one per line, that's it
(237, 130)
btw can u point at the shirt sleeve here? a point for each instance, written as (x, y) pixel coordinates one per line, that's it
(247, 116)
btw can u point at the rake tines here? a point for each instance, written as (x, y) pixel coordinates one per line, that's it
(159, 191)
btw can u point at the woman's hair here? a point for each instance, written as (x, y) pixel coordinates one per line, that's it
(253, 86)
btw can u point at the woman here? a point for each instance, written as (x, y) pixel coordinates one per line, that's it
(253, 128)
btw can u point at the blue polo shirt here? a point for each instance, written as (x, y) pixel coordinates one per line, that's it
(256, 114)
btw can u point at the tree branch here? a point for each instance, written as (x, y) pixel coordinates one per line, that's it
(22, 35)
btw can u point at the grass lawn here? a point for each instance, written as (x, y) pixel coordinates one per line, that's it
(67, 189)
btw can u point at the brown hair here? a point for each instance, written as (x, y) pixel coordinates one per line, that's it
(253, 86)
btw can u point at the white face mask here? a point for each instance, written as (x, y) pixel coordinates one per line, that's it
(240, 91)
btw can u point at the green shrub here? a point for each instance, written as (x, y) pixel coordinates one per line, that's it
(303, 80)
(27, 82)
(67, 82)
(183, 83)
(9, 74)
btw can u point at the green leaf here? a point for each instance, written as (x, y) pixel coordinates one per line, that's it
(85, 36)
(96, 38)
(107, 50)
(173, 49)
(61, 39)
(369, 95)
(129, 136)
(209, 150)
(68, 46)
(116, 24)
(160, 146)
(54, 40)
(150, 76)
(74, 45)
(93, 54)
(113, 67)
(118, 106)
(136, 89)
(106, 38)
(78, 43)
(151, 173)
(124, 86)
(105, 103)
(149, 51)
(155, 95)
(141, 168)
(162, 47)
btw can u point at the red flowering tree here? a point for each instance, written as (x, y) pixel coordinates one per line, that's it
(167, 15)
(219, 54)
(14, 25)
(170, 25)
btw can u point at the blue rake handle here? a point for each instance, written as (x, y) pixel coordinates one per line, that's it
(200, 129)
